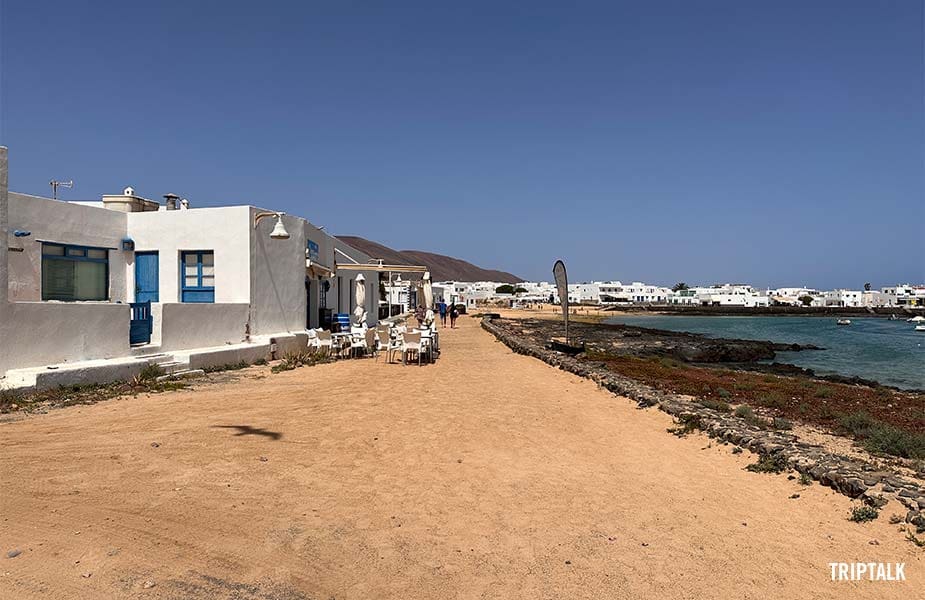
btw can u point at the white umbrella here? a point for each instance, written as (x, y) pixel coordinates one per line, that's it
(359, 313)
(428, 292)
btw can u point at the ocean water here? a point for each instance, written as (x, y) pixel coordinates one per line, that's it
(890, 352)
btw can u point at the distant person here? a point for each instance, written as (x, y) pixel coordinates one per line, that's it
(419, 315)
(454, 314)
(441, 307)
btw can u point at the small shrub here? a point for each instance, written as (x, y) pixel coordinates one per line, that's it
(806, 479)
(260, 362)
(773, 402)
(769, 463)
(781, 424)
(737, 450)
(862, 514)
(294, 360)
(686, 424)
(227, 367)
(827, 413)
(715, 404)
(822, 391)
(151, 372)
(881, 438)
(886, 439)
(723, 393)
(745, 411)
(911, 537)
(859, 423)
(895, 519)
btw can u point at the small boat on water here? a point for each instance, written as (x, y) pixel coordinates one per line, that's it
(920, 327)
(843, 322)
(916, 319)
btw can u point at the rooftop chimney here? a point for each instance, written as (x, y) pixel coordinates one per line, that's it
(170, 200)
(129, 202)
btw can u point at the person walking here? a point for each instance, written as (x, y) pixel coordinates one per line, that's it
(454, 314)
(442, 308)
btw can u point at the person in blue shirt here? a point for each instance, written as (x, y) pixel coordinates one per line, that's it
(442, 308)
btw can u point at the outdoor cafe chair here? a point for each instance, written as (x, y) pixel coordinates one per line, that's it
(358, 344)
(325, 341)
(386, 344)
(411, 342)
(372, 342)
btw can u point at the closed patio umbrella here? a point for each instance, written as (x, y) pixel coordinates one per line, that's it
(359, 313)
(428, 292)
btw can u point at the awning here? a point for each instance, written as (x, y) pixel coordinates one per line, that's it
(316, 269)
(378, 266)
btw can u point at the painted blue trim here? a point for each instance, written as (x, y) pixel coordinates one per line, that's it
(198, 293)
(66, 256)
(147, 274)
(54, 243)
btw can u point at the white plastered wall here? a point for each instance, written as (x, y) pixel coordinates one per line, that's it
(223, 230)
(66, 223)
(42, 333)
(35, 333)
(189, 326)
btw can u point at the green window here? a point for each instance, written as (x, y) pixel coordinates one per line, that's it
(73, 273)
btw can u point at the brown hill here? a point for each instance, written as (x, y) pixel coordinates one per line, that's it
(442, 268)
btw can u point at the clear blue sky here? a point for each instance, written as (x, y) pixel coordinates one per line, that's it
(777, 143)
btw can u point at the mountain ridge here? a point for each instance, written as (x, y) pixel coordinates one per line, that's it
(441, 266)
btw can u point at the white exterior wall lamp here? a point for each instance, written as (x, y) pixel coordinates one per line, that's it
(279, 230)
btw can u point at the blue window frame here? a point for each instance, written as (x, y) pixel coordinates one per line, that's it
(73, 273)
(197, 276)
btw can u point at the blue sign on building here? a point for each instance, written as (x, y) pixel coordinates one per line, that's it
(313, 251)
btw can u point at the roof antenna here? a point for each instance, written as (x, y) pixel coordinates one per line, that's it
(55, 184)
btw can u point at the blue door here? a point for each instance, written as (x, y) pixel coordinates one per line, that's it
(139, 331)
(146, 277)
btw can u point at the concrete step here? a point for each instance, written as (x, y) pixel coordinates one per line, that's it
(146, 350)
(173, 366)
(183, 374)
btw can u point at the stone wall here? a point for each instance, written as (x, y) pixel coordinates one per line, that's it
(853, 478)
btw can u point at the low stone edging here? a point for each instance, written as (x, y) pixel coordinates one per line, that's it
(853, 478)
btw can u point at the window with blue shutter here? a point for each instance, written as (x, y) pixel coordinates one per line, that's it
(197, 275)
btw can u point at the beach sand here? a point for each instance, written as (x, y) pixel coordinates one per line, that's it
(487, 475)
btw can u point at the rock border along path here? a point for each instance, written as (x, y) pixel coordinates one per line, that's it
(853, 478)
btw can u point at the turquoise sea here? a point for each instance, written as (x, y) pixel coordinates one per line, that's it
(890, 352)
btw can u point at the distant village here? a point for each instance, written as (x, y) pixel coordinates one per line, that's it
(615, 293)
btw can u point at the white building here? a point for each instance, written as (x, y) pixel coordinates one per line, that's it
(791, 296)
(720, 295)
(905, 295)
(843, 298)
(77, 280)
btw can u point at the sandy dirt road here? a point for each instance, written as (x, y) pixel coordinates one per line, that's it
(487, 475)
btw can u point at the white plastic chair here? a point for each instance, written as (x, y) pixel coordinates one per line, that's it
(411, 342)
(386, 343)
(357, 343)
(325, 341)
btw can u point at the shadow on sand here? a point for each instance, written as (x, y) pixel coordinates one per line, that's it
(249, 430)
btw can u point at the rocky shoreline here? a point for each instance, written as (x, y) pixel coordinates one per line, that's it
(863, 480)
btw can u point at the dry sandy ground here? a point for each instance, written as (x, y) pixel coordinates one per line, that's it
(487, 475)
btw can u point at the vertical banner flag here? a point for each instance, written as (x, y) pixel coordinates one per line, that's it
(558, 271)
